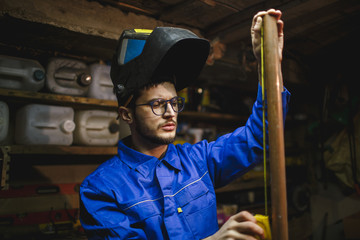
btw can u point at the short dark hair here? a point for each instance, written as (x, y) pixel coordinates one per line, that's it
(156, 80)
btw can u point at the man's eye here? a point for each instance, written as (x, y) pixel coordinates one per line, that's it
(158, 103)
(174, 102)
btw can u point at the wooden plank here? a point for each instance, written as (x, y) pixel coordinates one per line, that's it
(238, 185)
(199, 14)
(88, 17)
(56, 99)
(62, 150)
(236, 27)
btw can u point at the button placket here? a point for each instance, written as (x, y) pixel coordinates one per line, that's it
(174, 221)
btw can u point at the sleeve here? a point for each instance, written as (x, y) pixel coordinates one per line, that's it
(234, 154)
(101, 218)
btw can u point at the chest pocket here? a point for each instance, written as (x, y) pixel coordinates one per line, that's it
(194, 197)
(141, 211)
(198, 203)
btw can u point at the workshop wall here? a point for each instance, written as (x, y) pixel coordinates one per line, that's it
(40, 183)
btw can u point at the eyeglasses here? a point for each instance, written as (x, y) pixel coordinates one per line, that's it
(159, 106)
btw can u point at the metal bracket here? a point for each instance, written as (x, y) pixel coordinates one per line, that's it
(5, 167)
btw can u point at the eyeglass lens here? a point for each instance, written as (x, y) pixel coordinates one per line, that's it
(159, 107)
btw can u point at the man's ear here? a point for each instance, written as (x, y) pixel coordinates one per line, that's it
(126, 114)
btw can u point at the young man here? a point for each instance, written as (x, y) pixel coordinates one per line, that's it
(153, 189)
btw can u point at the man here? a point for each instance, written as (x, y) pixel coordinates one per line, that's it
(153, 189)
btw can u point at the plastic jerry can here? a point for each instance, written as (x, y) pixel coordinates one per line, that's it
(68, 76)
(96, 127)
(4, 120)
(44, 124)
(21, 74)
(101, 86)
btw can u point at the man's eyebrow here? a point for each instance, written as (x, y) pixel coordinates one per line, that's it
(153, 99)
(160, 98)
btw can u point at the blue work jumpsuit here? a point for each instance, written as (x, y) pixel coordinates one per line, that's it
(136, 196)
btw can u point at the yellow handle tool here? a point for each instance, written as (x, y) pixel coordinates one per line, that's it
(263, 222)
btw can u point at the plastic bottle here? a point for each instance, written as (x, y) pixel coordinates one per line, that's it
(68, 76)
(102, 86)
(96, 127)
(21, 74)
(44, 124)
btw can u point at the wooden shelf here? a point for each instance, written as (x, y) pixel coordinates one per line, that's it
(84, 102)
(38, 97)
(61, 150)
(58, 99)
(252, 179)
(239, 185)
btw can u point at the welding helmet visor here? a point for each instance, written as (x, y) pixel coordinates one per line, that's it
(165, 52)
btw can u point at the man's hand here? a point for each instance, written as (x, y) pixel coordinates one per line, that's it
(256, 34)
(256, 38)
(241, 226)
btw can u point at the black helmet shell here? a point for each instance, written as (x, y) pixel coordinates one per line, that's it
(168, 51)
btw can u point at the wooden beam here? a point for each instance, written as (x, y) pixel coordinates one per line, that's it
(58, 99)
(236, 27)
(62, 150)
(88, 17)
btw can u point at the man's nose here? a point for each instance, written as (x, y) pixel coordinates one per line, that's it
(169, 111)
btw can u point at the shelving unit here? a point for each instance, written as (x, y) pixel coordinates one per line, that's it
(43, 41)
(17, 97)
(23, 97)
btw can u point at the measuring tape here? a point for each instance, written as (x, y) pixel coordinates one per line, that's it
(263, 220)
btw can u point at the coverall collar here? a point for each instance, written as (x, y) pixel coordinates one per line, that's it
(145, 164)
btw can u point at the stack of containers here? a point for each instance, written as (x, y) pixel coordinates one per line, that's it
(19, 74)
(38, 124)
(102, 86)
(97, 127)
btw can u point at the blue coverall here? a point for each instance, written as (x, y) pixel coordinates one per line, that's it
(137, 196)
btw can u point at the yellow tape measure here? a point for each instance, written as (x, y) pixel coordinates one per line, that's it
(263, 220)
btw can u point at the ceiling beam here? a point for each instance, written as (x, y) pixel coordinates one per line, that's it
(237, 26)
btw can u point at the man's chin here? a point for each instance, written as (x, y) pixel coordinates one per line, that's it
(165, 138)
(163, 141)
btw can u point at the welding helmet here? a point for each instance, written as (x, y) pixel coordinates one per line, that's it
(143, 56)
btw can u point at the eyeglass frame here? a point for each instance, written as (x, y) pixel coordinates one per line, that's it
(151, 104)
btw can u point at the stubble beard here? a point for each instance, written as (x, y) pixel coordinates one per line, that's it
(143, 132)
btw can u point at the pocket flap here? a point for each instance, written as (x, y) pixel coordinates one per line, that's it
(190, 192)
(142, 210)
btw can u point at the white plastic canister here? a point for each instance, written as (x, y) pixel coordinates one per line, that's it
(4, 120)
(44, 124)
(101, 86)
(68, 76)
(21, 74)
(96, 127)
